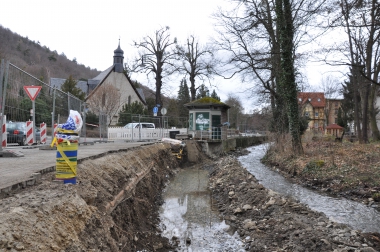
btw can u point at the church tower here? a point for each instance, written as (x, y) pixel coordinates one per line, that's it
(118, 59)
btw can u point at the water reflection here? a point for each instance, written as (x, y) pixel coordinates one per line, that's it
(187, 215)
(355, 214)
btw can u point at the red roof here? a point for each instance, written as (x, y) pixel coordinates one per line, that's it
(334, 126)
(316, 99)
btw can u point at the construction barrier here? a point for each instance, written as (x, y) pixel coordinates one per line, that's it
(66, 162)
(55, 129)
(4, 132)
(29, 133)
(43, 133)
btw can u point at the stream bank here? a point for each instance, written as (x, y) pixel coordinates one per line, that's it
(267, 221)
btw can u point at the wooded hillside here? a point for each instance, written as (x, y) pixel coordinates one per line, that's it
(39, 60)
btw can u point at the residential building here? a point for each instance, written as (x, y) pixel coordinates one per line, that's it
(331, 110)
(312, 105)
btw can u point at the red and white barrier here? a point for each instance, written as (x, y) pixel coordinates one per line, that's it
(43, 133)
(55, 129)
(29, 132)
(4, 132)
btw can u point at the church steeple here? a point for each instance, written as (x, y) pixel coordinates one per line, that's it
(118, 58)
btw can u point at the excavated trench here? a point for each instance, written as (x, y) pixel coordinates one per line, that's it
(114, 206)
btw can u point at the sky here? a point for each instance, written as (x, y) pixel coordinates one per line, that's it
(89, 30)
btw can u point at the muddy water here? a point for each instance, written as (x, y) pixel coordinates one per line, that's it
(356, 215)
(187, 215)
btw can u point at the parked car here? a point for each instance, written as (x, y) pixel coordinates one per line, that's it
(16, 133)
(142, 125)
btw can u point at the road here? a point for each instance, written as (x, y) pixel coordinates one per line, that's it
(16, 170)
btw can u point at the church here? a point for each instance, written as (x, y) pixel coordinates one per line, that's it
(113, 88)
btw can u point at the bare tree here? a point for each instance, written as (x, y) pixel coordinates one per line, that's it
(198, 62)
(159, 57)
(236, 110)
(106, 99)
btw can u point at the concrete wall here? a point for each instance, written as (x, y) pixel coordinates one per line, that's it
(215, 148)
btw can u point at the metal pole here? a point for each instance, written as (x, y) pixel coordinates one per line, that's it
(53, 116)
(1, 103)
(68, 101)
(84, 121)
(33, 120)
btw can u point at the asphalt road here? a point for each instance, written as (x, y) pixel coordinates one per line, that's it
(14, 170)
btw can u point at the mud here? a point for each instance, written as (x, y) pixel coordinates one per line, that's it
(267, 221)
(113, 207)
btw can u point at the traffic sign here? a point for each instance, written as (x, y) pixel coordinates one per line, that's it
(32, 91)
(164, 111)
(155, 110)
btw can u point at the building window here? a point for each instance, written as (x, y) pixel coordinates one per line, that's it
(336, 112)
(336, 104)
(319, 99)
(299, 99)
(306, 114)
(316, 114)
(316, 125)
(336, 120)
(309, 99)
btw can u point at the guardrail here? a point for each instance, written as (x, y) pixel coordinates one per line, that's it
(115, 133)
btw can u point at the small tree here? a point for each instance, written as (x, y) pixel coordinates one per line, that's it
(106, 99)
(215, 95)
(202, 92)
(135, 108)
(183, 98)
(70, 85)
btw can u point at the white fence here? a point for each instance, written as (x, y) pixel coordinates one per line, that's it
(117, 133)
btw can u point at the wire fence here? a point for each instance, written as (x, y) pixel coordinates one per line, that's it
(50, 105)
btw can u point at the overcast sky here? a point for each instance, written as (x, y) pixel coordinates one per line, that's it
(89, 30)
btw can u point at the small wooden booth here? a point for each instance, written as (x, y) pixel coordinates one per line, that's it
(207, 117)
(334, 130)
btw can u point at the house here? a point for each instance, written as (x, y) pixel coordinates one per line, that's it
(312, 105)
(113, 79)
(331, 110)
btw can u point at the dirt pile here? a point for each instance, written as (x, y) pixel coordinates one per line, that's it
(267, 221)
(112, 208)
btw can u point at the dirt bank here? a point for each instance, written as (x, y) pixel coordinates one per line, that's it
(112, 208)
(349, 170)
(267, 221)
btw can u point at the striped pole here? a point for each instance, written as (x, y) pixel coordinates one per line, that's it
(4, 132)
(29, 132)
(43, 132)
(55, 129)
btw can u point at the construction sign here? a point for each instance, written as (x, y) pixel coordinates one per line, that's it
(32, 91)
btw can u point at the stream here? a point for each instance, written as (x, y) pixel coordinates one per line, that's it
(354, 214)
(187, 215)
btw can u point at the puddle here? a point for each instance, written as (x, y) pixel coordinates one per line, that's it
(354, 214)
(187, 214)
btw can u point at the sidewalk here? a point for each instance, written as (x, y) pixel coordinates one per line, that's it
(19, 171)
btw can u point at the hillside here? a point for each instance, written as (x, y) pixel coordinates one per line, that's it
(39, 60)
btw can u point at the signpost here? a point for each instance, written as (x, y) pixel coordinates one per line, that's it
(32, 92)
(155, 110)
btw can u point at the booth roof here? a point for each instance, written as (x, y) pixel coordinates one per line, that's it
(206, 101)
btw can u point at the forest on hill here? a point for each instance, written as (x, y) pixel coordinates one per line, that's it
(39, 60)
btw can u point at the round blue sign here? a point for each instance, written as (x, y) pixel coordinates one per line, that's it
(155, 110)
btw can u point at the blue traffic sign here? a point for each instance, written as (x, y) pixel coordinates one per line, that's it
(155, 110)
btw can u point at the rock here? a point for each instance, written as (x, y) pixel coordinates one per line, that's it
(247, 207)
(367, 249)
(238, 210)
(231, 193)
(158, 246)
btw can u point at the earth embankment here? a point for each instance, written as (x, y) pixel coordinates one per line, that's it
(112, 208)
